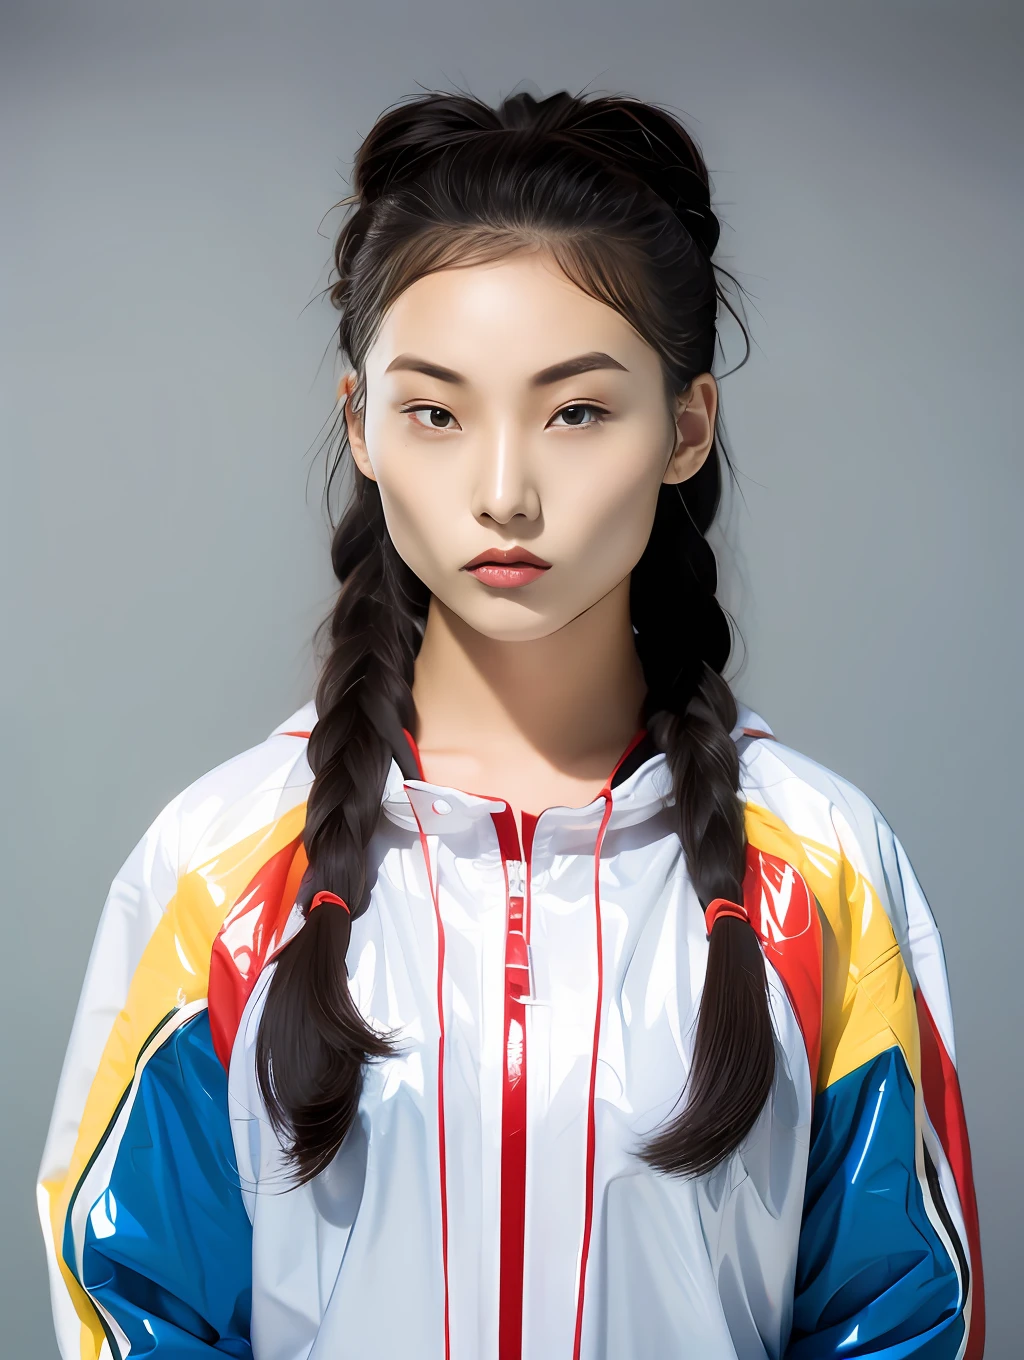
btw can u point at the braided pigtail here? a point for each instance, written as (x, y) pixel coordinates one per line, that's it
(618, 192)
(691, 713)
(312, 1040)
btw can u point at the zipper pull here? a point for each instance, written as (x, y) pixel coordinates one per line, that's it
(532, 999)
(516, 877)
(521, 952)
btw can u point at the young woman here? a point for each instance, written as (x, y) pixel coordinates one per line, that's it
(521, 997)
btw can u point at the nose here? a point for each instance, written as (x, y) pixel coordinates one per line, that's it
(504, 484)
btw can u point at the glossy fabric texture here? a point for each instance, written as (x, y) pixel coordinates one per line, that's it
(164, 1191)
(863, 1191)
(167, 1247)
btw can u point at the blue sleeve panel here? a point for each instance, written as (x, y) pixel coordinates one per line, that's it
(168, 1247)
(873, 1277)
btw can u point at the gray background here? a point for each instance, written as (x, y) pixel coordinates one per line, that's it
(166, 167)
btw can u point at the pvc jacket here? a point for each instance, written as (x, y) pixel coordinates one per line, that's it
(489, 1203)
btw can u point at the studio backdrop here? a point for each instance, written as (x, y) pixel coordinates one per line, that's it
(168, 176)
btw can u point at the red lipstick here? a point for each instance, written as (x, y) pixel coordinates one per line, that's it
(505, 567)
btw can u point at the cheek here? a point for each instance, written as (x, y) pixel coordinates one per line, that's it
(607, 521)
(408, 518)
(419, 507)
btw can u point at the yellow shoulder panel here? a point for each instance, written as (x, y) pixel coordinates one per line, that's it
(867, 994)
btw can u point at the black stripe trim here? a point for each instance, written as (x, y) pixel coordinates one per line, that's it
(932, 1174)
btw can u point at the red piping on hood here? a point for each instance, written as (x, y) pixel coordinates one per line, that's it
(588, 1217)
(442, 1158)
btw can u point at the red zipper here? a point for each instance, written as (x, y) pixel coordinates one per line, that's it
(512, 1241)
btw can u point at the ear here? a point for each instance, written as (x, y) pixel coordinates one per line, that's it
(694, 428)
(354, 424)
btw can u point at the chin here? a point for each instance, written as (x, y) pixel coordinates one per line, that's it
(505, 620)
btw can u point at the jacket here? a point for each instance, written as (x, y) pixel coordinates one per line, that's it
(488, 1203)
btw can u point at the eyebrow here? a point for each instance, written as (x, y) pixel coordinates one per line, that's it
(568, 368)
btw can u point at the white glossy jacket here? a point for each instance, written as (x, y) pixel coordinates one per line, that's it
(489, 1203)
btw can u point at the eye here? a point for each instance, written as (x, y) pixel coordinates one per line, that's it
(575, 415)
(437, 418)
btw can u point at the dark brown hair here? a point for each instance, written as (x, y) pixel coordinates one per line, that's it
(618, 191)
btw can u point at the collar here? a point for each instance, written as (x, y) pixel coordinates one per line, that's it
(445, 810)
(643, 792)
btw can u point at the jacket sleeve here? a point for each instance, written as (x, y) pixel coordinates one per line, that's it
(889, 1261)
(148, 1242)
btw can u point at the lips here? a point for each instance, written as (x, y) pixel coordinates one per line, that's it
(506, 557)
(505, 567)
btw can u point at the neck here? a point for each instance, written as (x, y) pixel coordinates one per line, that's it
(573, 698)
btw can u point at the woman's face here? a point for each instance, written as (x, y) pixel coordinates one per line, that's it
(508, 413)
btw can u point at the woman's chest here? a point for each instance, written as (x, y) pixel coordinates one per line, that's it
(542, 969)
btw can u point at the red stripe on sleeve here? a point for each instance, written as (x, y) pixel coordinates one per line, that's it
(784, 913)
(250, 931)
(944, 1103)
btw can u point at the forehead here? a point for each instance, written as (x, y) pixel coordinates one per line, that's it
(514, 316)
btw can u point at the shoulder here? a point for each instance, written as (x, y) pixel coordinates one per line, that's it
(818, 807)
(241, 796)
(207, 881)
(878, 935)
(231, 843)
(201, 831)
